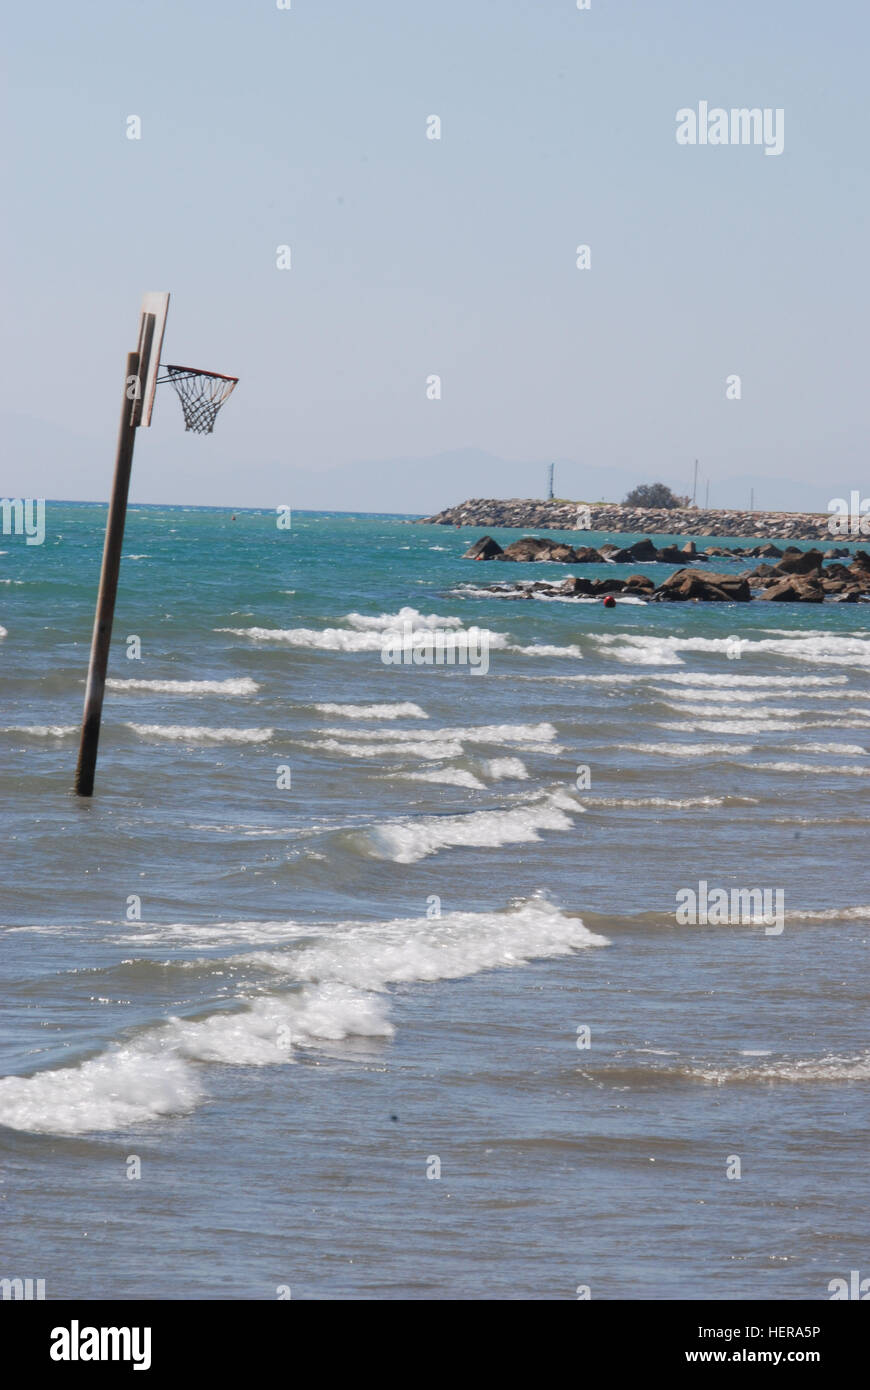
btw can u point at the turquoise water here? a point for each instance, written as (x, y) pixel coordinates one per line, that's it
(289, 1001)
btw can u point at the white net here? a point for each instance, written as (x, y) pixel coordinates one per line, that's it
(201, 394)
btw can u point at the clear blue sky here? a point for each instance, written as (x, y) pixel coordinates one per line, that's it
(308, 127)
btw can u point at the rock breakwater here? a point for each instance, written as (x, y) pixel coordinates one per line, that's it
(678, 521)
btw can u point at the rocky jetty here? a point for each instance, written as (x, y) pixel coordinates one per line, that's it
(678, 521)
(538, 549)
(799, 576)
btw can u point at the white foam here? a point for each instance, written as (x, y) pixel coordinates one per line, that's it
(386, 622)
(373, 956)
(499, 769)
(676, 803)
(119, 1088)
(338, 639)
(542, 650)
(681, 698)
(242, 686)
(685, 750)
(200, 734)
(41, 730)
(824, 648)
(331, 983)
(543, 733)
(436, 749)
(843, 748)
(402, 709)
(830, 914)
(816, 768)
(407, 841)
(731, 726)
(449, 776)
(827, 1068)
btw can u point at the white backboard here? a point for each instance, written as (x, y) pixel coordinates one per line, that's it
(156, 303)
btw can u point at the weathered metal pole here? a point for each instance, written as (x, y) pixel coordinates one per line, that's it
(102, 636)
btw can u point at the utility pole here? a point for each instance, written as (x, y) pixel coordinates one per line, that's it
(695, 483)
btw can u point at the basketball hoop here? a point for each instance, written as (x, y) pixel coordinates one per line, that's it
(201, 394)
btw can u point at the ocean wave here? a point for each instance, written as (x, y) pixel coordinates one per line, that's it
(197, 733)
(436, 743)
(734, 726)
(728, 711)
(331, 987)
(402, 709)
(459, 944)
(824, 768)
(449, 776)
(543, 733)
(681, 698)
(41, 730)
(241, 686)
(826, 1068)
(723, 681)
(685, 750)
(675, 803)
(120, 1088)
(407, 841)
(844, 748)
(340, 639)
(542, 650)
(499, 769)
(386, 622)
(433, 750)
(648, 649)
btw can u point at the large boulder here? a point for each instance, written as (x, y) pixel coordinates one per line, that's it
(687, 584)
(795, 589)
(528, 548)
(643, 550)
(765, 573)
(801, 562)
(575, 585)
(484, 549)
(672, 555)
(858, 574)
(539, 548)
(586, 555)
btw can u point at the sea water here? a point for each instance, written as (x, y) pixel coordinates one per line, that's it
(359, 979)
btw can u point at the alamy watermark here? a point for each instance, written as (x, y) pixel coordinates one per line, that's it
(23, 516)
(849, 518)
(741, 125)
(436, 647)
(719, 907)
(22, 1289)
(852, 1288)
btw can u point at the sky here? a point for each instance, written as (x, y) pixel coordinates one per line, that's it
(306, 127)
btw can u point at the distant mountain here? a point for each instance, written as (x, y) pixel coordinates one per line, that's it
(48, 460)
